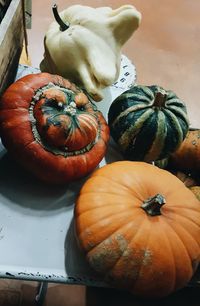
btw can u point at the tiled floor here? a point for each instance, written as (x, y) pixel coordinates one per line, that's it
(16, 293)
(165, 51)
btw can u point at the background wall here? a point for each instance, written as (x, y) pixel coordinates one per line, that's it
(165, 49)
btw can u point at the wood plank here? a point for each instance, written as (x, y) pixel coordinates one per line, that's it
(28, 13)
(11, 42)
(4, 2)
(3, 7)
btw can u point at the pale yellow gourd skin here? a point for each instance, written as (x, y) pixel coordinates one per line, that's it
(89, 51)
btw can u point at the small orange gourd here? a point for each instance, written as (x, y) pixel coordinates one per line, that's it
(139, 227)
(186, 178)
(196, 191)
(187, 157)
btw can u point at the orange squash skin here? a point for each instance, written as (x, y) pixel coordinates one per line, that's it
(54, 150)
(187, 157)
(187, 179)
(150, 256)
(196, 191)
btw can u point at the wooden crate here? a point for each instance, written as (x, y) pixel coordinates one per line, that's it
(12, 34)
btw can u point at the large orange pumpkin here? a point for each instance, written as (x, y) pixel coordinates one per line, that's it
(139, 227)
(51, 127)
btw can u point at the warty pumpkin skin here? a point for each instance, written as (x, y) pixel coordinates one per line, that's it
(187, 156)
(48, 125)
(134, 241)
(148, 122)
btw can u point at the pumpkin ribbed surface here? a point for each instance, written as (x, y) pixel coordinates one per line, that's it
(148, 122)
(139, 227)
(51, 127)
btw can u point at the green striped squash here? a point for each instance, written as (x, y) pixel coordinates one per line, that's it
(148, 122)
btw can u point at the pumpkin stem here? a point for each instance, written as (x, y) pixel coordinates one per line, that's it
(160, 98)
(153, 205)
(63, 26)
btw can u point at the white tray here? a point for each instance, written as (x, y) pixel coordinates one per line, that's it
(36, 222)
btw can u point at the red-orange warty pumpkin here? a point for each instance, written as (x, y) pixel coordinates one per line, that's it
(139, 227)
(49, 125)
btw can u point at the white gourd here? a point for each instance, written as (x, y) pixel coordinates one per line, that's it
(88, 50)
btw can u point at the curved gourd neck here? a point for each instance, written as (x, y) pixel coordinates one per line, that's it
(62, 24)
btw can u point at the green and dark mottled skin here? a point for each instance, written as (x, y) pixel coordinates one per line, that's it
(148, 123)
